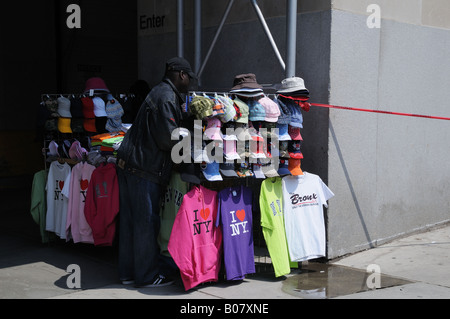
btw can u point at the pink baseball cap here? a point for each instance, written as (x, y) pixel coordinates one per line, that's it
(213, 131)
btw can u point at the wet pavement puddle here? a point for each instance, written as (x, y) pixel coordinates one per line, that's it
(323, 281)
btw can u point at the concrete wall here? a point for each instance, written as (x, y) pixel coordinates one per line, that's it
(390, 173)
(243, 47)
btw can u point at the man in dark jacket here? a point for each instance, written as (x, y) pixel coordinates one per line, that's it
(144, 168)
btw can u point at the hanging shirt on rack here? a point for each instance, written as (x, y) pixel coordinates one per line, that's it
(171, 203)
(304, 195)
(102, 204)
(195, 243)
(38, 207)
(58, 178)
(235, 216)
(77, 227)
(272, 222)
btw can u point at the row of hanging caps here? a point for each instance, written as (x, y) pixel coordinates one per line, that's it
(45, 97)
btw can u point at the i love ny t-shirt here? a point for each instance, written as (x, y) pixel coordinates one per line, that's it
(235, 217)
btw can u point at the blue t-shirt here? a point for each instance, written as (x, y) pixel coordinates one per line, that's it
(235, 217)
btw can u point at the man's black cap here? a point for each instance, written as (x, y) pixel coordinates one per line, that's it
(180, 64)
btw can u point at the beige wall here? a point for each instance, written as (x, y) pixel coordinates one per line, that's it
(432, 13)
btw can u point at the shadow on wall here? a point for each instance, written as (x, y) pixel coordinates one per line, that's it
(350, 186)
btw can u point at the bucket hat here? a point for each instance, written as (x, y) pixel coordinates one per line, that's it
(245, 81)
(291, 85)
(96, 84)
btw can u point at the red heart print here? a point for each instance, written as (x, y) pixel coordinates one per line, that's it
(84, 184)
(61, 185)
(241, 214)
(205, 213)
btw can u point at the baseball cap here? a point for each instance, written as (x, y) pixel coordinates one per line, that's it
(99, 107)
(229, 150)
(64, 125)
(269, 170)
(180, 64)
(294, 149)
(256, 110)
(283, 168)
(213, 131)
(53, 149)
(211, 171)
(227, 169)
(201, 107)
(76, 151)
(228, 108)
(283, 134)
(88, 108)
(230, 135)
(89, 125)
(257, 170)
(64, 107)
(296, 114)
(244, 170)
(243, 108)
(271, 108)
(285, 113)
(76, 107)
(294, 167)
(294, 133)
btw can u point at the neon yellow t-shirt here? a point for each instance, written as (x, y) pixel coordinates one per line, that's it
(272, 223)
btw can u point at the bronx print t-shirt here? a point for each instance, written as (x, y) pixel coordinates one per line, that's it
(235, 217)
(303, 198)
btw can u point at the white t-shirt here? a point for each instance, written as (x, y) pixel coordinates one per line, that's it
(303, 197)
(58, 178)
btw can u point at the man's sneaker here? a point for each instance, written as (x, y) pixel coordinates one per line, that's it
(158, 281)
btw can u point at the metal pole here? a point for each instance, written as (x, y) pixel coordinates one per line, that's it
(180, 28)
(198, 35)
(216, 36)
(269, 35)
(291, 37)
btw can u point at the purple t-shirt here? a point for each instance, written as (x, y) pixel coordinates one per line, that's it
(235, 216)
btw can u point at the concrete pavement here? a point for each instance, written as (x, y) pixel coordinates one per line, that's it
(413, 267)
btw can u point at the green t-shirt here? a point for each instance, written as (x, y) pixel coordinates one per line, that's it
(170, 205)
(272, 223)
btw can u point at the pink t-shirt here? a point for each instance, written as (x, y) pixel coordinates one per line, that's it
(102, 204)
(77, 228)
(195, 243)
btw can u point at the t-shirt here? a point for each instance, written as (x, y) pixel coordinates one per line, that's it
(58, 177)
(303, 197)
(77, 228)
(235, 216)
(102, 204)
(272, 223)
(38, 207)
(170, 205)
(196, 243)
